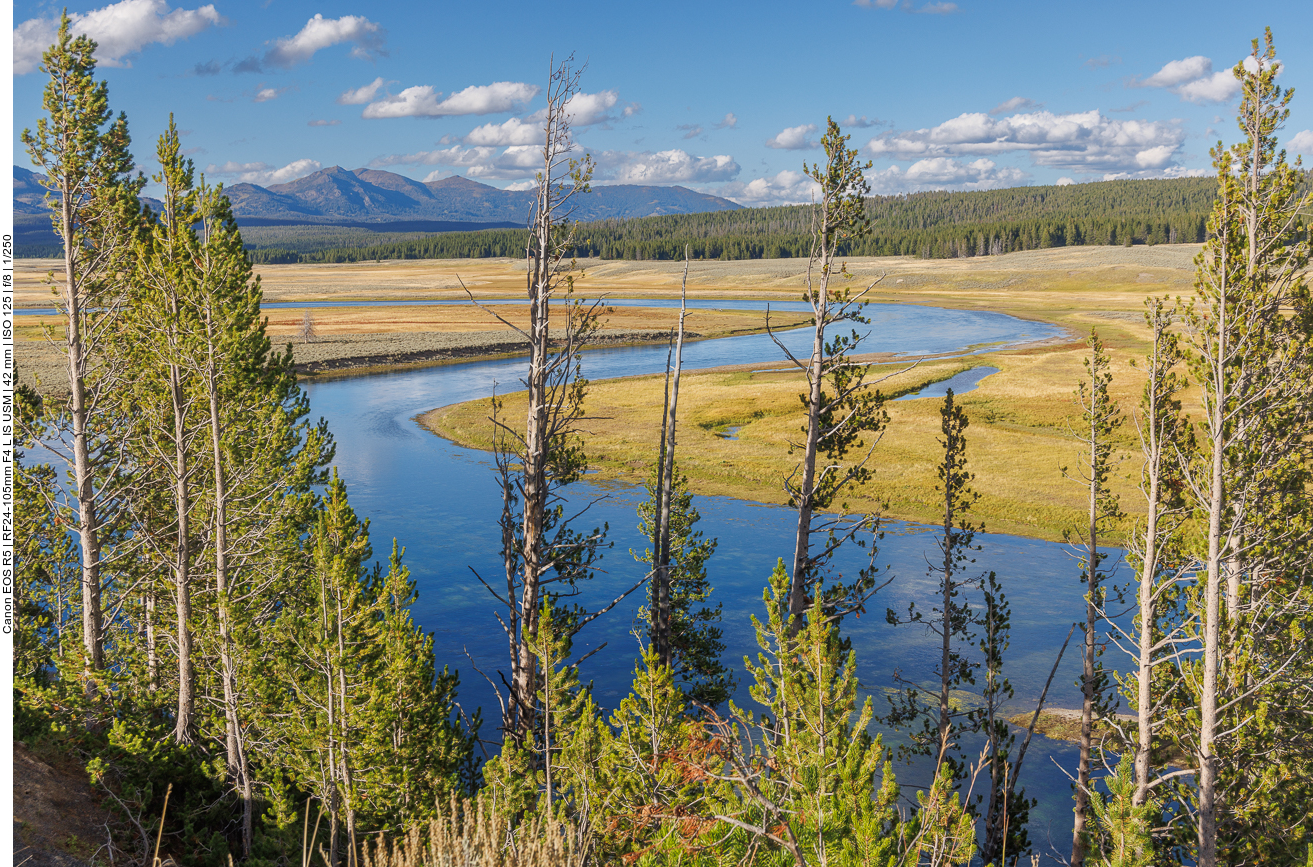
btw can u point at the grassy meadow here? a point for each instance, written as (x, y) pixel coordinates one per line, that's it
(1021, 418)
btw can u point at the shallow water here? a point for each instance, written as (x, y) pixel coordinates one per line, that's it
(441, 502)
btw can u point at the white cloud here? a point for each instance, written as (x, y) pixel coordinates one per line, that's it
(690, 130)
(587, 109)
(324, 123)
(852, 121)
(1169, 172)
(1086, 141)
(624, 167)
(1065, 182)
(264, 174)
(511, 132)
(942, 173)
(1179, 71)
(264, 94)
(519, 186)
(361, 95)
(424, 101)
(119, 29)
(1193, 79)
(319, 33)
(872, 4)
(1016, 103)
(935, 9)
(785, 188)
(452, 156)
(664, 167)
(794, 138)
(729, 122)
(1301, 142)
(1218, 87)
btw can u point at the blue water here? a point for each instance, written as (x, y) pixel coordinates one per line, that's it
(961, 383)
(442, 501)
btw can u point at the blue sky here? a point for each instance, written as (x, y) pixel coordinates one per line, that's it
(727, 98)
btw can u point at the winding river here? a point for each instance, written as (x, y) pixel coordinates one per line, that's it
(441, 501)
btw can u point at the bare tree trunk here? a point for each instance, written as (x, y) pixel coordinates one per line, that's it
(806, 490)
(524, 682)
(182, 732)
(1148, 616)
(1098, 414)
(234, 750)
(1212, 648)
(83, 483)
(946, 650)
(666, 490)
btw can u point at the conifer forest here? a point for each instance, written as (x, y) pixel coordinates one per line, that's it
(207, 623)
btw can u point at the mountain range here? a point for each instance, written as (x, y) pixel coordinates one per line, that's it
(336, 196)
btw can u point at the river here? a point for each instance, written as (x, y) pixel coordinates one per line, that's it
(441, 502)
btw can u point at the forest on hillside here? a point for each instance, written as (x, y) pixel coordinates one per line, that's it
(204, 622)
(932, 225)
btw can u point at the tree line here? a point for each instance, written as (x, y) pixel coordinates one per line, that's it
(931, 225)
(201, 611)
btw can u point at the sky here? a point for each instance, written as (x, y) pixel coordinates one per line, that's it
(725, 98)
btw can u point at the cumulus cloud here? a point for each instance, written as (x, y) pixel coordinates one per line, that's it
(424, 101)
(1085, 141)
(852, 121)
(1301, 142)
(794, 138)
(785, 188)
(1218, 87)
(1169, 172)
(264, 174)
(265, 94)
(588, 109)
(1065, 182)
(323, 123)
(729, 122)
(511, 132)
(452, 156)
(622, 167)
(690, 130)
(942, 173)
(366, 37)
(1016, 103)
(361, 95)
(119, 29)
(1180, 71)
(663, 167)
(210, 67)
(1193, 79)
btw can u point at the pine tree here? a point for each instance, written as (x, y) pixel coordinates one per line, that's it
(1249, 484)
(936, 729)
(83, 152)
(840, 405)
(695, 636)
(1100, 419)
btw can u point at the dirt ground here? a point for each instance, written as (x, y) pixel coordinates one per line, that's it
(58, 821)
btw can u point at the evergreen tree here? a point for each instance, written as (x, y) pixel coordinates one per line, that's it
(840, 405)
(695, 636)
(1100, 419)
(83, 152)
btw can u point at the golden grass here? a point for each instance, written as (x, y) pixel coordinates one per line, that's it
(1021, 433)
(469, 318)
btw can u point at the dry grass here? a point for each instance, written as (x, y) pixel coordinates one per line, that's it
(1018, 439)
(469, 835)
